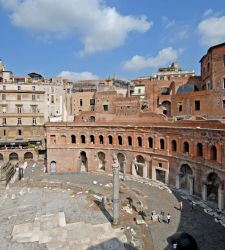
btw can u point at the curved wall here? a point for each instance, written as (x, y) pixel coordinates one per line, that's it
(182, 157)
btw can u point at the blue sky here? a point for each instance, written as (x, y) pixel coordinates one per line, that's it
(83, 39)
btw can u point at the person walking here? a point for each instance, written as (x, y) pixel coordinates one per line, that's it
(181, 205)
(175, 245)
(168, 218)
(192, 205)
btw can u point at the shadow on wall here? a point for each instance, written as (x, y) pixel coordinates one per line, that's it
(112, 244)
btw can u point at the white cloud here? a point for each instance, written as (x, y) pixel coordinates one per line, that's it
(208, 12)
(75, 76)
(100, 27)
(212, 30)
(168, 23)
(164, 57)
(182, 35)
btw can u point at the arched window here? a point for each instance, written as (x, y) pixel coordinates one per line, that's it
(199, 149)
(92, 139)
(129, 140)
(92, 119)
(120, 140)
(174, 145)
(139, 140)
(83, 139)
(162, 144)
(101, 140)
(28, 155)
(213, 153)
(110, 139)
(13, 156)
(73, 139)
(186, 147)
(150, 142)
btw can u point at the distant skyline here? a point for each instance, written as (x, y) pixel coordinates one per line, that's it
(96, 39)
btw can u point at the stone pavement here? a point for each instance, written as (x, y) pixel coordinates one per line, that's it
(52, 230)
(42, 194)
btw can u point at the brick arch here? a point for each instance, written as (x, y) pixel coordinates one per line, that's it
(166, 104)
(102, 160)
(73, 139)
(212, 183)
(185, 172)
(218, 150)
(206, 174)
(186, 147)
(122, 161)
(174, 145)
(110, 139)
(139, 140)
(187, 163)
(101, 139)
(120, 139)
(162, 143)
(200, 149)
(213, 152)
(28, 155)
(13, 156)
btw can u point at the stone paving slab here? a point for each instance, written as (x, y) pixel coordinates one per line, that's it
(53, 230)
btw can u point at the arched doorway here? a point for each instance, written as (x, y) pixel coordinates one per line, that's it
(83, 162)
(28, 156)
(101, 157)
(213, 182)
(122, 162)
(13, 156)
(139, 166)
(53, 167)
(185, 174)
(1, 157)
(166, 108)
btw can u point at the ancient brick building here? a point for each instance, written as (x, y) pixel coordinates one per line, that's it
(173, 131)
(189, 155)
(146, 135)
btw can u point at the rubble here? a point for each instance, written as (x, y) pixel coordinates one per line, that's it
(139, 220)
(127, 209)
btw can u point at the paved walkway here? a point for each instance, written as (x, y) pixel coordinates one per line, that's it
(40, 194)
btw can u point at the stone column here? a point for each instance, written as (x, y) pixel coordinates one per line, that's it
(204, 191)
(220, 197)
(145, 170)
(116, 187)
(191, 184)
(178, 181)
(134, 173)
